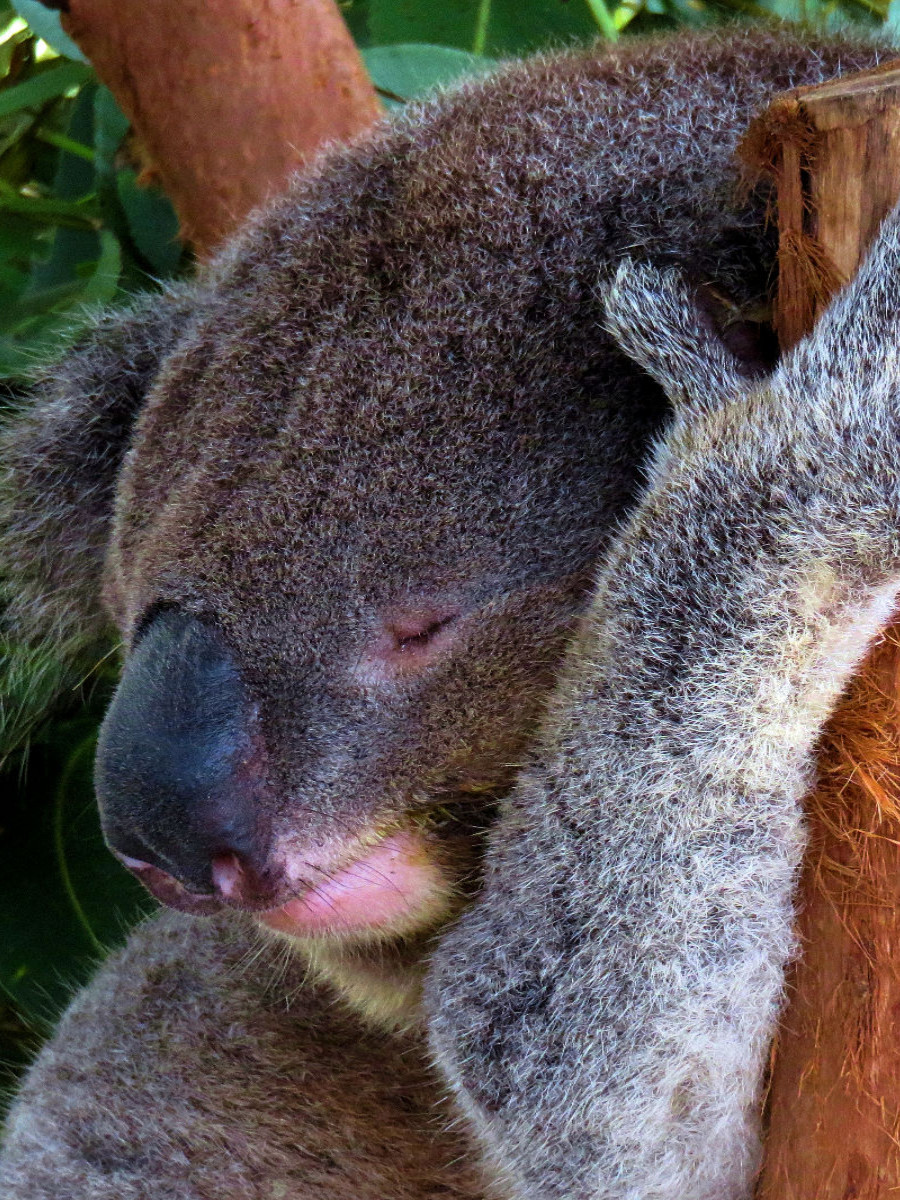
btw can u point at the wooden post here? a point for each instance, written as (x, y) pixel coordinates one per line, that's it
(834, 152)
(833, 1104)
(228, 96)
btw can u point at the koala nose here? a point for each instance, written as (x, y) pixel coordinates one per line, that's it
(179, 771)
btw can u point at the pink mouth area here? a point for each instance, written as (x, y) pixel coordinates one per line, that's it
(392, 888)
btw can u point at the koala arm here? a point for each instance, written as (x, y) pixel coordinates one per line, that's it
(604, 1011)
(201, 1063)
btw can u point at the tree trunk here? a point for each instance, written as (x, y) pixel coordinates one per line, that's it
(834, 1097)
(228, 96)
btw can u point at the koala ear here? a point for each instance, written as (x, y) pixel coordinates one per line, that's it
(671, 330)
(60, 454)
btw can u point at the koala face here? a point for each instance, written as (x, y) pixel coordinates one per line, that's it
(346, 570)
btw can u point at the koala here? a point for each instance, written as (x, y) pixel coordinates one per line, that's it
(483, 587)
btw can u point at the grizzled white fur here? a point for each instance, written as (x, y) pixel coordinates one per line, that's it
(605, 1022)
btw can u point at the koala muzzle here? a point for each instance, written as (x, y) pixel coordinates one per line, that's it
(179, 771)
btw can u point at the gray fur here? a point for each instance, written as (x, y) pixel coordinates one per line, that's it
(62, 457)
(655, 319)
(394, 388)
(219, 1072)
(614, 1048)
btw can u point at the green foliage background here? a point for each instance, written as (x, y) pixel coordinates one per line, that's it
(78, 230)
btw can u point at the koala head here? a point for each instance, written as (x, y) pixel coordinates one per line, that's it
(344, 522)
(342, 498)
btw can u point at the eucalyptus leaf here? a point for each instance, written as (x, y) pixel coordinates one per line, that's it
(31, 342)
(19, 239)
(74, 178)
(356, 18)
(15, 360)
(64, 900)
(152, 222)
(39, 302)
(12, 284)
(79, 214)
(110, 126)
(46, 85)
(410, 70)
(103, 283)
(493, 27)
(46, 24)
(696, 13)
(30, 680)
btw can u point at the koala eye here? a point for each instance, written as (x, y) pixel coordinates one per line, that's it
(408, 643)
(412, 635)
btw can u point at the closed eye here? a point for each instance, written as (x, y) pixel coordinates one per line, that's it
(421, 638)
(409, 643)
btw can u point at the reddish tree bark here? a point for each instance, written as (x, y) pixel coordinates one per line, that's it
(227, 96)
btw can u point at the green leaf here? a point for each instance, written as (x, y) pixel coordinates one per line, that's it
(12, 284)
(696, 13)
(104, 281)
(493, 27)
(45, 23)
(46, 85)
(18, 239)
(30, 681)
(110, 126)
(79, 214)
(33, 341)
(410, 70)
(64, 900)
(152, 222)
(356, 18)
(38, 303)
(74, 178)
(606, 19)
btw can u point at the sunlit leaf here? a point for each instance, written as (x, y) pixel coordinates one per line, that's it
(45, 23)
(79, 214)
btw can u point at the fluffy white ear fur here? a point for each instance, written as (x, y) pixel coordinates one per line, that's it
(656, 318)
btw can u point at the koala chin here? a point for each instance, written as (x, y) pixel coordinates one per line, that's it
(483, 587)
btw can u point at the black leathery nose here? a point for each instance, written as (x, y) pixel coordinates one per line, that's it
(177, 771)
